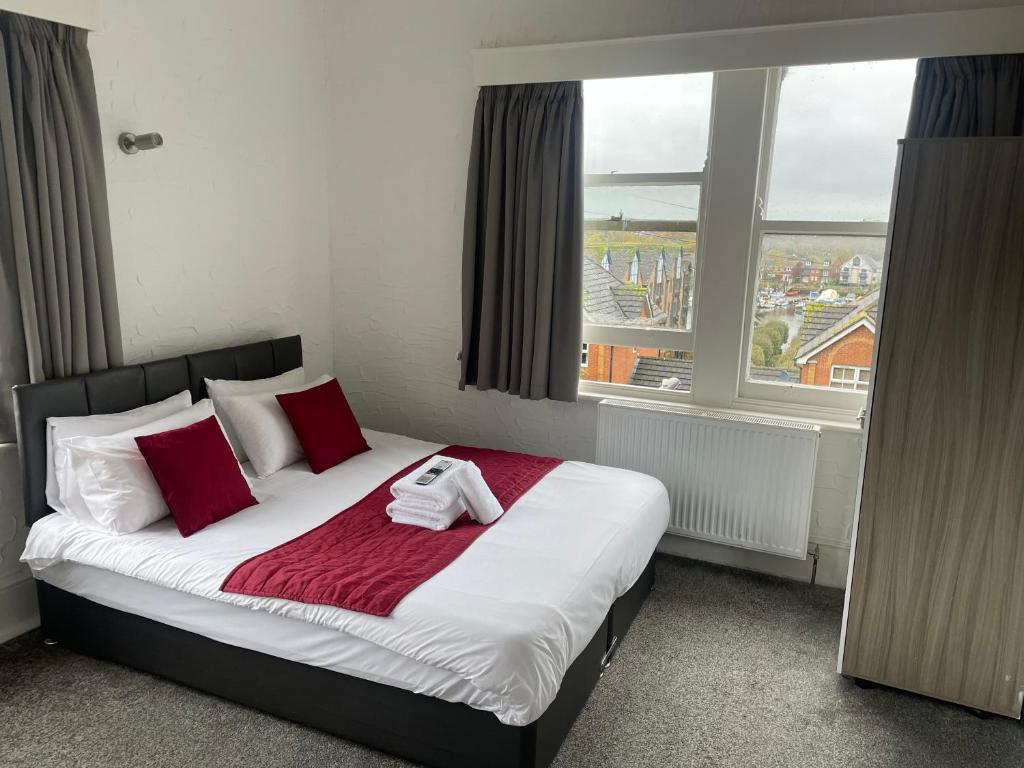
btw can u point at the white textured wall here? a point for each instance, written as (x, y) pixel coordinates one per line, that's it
(220, 236)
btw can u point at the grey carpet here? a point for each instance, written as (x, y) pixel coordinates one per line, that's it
(722, 668)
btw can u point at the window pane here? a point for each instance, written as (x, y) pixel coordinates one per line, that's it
(815, 310)
(835, 140)
(638, 367)
(639, 278)
(676, 202)
(844, 377)
(646, 124)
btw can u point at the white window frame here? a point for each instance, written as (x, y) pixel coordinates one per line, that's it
(841, 402)
(857, 371)
(729, 226)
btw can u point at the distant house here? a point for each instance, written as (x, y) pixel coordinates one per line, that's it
(667, 276)
(836, 344)
(632, 286)
(608, 300)
(860, 270)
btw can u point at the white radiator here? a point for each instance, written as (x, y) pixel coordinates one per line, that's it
(733, 479)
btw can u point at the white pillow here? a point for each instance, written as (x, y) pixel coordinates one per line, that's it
(263, 428)
(115, 482)
(62, 427)
(218, 388)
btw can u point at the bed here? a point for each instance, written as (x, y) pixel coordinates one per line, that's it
(487, 663)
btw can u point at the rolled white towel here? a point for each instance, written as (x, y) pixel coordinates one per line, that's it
(437, 496)
(481, 503)
(438, 520)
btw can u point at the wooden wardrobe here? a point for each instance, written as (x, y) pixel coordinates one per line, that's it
(935, 603)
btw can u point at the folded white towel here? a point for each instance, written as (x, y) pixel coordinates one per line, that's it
(436, 497)
(437, 520)
(481, 503)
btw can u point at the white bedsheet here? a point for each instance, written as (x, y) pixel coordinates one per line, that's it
(508, 617)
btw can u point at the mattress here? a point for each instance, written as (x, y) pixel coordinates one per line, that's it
(497, 629)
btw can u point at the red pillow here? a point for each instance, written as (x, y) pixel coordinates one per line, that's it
(197, 473)
(327, 430)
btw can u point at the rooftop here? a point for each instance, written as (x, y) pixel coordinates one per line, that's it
(654, 371)
(621, 257)
(823, 322)
(777, 375)
(608, 300)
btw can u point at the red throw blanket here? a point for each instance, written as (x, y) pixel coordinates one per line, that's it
(361, 561)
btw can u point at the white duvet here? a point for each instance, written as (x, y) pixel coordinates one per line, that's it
(508, 616)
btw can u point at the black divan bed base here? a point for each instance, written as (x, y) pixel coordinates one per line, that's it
(421, 728)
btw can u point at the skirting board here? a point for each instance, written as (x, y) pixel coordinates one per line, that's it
(19, 609)
(833, 561)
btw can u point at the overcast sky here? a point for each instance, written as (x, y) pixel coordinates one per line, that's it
(835, 147)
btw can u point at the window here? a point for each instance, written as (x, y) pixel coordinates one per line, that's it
(764, 192)
(833, 147)
(645, 146)
(850, 377)
(826, 183)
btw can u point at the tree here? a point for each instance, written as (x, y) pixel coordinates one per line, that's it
(768, 342)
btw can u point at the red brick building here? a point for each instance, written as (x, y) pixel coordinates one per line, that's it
(602, 362)
(836, 344)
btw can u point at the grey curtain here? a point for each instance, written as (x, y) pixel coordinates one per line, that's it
(58, 305)
(522, 273)
(968, 96)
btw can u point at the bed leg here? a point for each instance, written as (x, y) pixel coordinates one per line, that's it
(609, 656)
(49, 641)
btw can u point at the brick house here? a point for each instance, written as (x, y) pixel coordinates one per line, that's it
(608, 300)
(836, 344)
(666, 276)
(834, 269)
(860, 270)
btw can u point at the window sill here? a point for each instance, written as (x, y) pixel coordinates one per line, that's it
(834, 420)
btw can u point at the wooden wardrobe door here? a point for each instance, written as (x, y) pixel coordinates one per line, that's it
(937, 591)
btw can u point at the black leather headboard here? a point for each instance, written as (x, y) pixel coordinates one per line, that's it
(121, 389)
